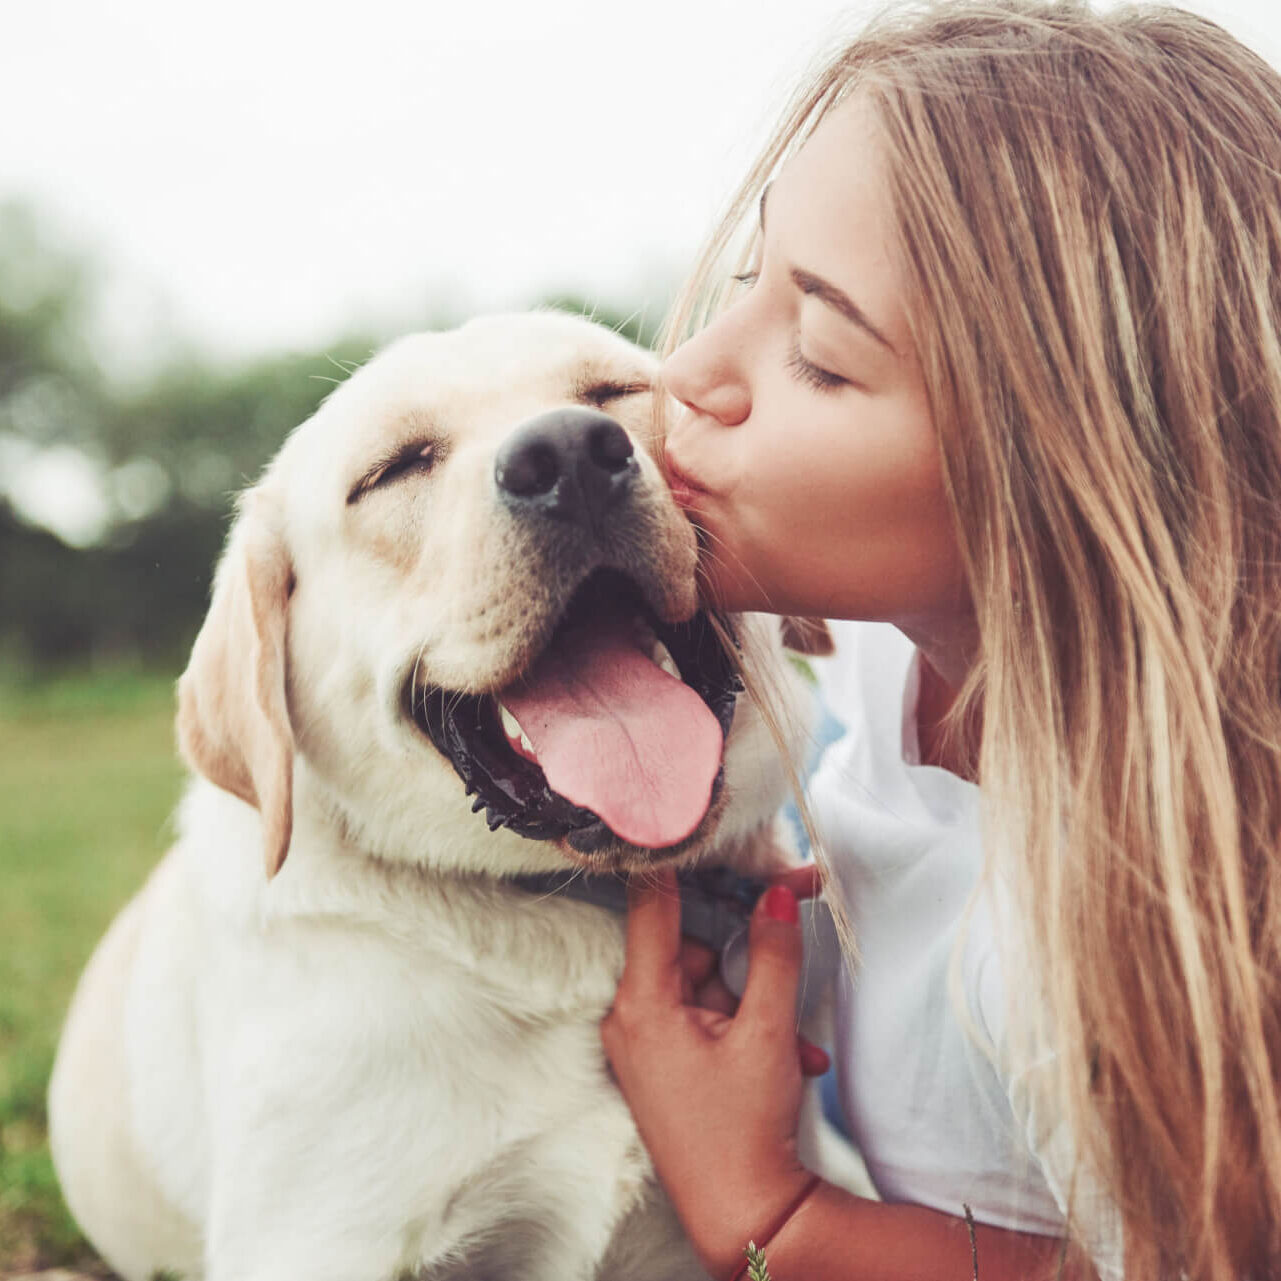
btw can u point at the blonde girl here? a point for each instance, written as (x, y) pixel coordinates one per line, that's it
(1004, 371)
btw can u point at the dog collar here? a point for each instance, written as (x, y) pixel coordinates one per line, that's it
(716, 905)
(715, 902)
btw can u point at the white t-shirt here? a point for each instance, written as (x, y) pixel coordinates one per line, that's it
(934, 1119)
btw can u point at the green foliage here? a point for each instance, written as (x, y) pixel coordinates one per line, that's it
(172, 451)
(757, 1270)
(45, 294)
(90, 777)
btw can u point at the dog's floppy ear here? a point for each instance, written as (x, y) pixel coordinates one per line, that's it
(233, 721)
(807, 636)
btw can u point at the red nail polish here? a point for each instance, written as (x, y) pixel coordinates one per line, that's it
(780, 905)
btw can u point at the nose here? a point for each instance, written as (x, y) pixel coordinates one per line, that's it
(571, 464)
(704, 374)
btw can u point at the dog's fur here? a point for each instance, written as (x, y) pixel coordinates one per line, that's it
(375, 1057)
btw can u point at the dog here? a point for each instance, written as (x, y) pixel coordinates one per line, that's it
(454, 641)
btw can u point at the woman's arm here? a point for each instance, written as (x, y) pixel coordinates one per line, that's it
(716, 1100)
(834, 1234)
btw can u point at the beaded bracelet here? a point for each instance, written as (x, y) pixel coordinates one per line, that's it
(780, 1223)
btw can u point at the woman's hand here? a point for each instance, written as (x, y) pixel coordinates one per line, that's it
(715, 1096)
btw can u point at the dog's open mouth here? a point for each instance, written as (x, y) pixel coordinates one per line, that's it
(616, 732)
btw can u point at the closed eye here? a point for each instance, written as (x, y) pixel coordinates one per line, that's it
(417, 456)
(601, 393)
(812, 375)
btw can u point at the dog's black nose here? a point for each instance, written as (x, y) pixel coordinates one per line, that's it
(573, 464)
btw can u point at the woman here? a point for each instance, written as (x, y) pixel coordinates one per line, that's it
(1006, 374)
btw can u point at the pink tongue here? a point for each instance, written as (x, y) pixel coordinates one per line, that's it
(615, 733)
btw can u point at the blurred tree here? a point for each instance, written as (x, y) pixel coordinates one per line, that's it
(44, 298)
(170, 452)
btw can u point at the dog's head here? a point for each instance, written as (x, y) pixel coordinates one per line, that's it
(462, 596)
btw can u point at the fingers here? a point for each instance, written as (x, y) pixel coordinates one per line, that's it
(662, 969)
(774, 966)
(710, 1021)
(804, 882)
(714, 995)
(653, 964)
(698, 962)
(814, 1060)
(774, 962)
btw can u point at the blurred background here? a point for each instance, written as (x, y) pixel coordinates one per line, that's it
(206, 214)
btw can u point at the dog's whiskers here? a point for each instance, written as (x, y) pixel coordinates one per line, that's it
(416, 691)
(577, 872)
(453, 706)
(639, 313)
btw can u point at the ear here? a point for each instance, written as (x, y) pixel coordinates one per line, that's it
(807, 636)
(233, 721)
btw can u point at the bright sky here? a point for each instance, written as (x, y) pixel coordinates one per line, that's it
(281, 172)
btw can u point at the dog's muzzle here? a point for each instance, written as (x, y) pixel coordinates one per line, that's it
(610, 736)
(513, 789)
(574, 465)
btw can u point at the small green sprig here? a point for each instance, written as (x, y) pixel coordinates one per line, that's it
(757, 1269)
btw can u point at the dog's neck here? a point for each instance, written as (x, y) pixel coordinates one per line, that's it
(715, 902)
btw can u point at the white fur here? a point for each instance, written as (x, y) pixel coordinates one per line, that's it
(384, 1059)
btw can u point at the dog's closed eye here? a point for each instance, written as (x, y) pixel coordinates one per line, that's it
(416, 457)
(599, 393)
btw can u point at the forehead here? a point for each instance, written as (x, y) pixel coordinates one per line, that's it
(481, 378)
(831, 214)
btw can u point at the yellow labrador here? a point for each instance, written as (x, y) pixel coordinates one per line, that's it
(454, 641)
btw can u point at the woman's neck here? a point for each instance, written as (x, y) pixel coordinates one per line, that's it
(946, 655)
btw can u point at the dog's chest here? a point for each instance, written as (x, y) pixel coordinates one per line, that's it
(462, 1058)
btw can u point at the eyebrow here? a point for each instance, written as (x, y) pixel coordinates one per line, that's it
(816, 287)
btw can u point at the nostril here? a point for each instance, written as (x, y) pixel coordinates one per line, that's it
(609, 447)
(529, 471)
(572, 464)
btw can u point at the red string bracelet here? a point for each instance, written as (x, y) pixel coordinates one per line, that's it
(780, 1223)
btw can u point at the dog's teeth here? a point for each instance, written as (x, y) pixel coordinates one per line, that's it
(646, 638)
(662, 656)
(511, 726)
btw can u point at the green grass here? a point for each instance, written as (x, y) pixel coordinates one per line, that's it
(88, 778)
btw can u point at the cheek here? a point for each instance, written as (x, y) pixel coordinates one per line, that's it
(856, 507)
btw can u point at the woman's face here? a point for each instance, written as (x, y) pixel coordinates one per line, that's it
(805, 449)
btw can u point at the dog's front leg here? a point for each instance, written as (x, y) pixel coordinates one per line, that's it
(310, 1216)
(327, 1160)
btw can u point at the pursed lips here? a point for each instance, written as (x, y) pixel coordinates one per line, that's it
(686, 489)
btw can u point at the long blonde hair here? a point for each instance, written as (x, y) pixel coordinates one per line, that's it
(1090, 214)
